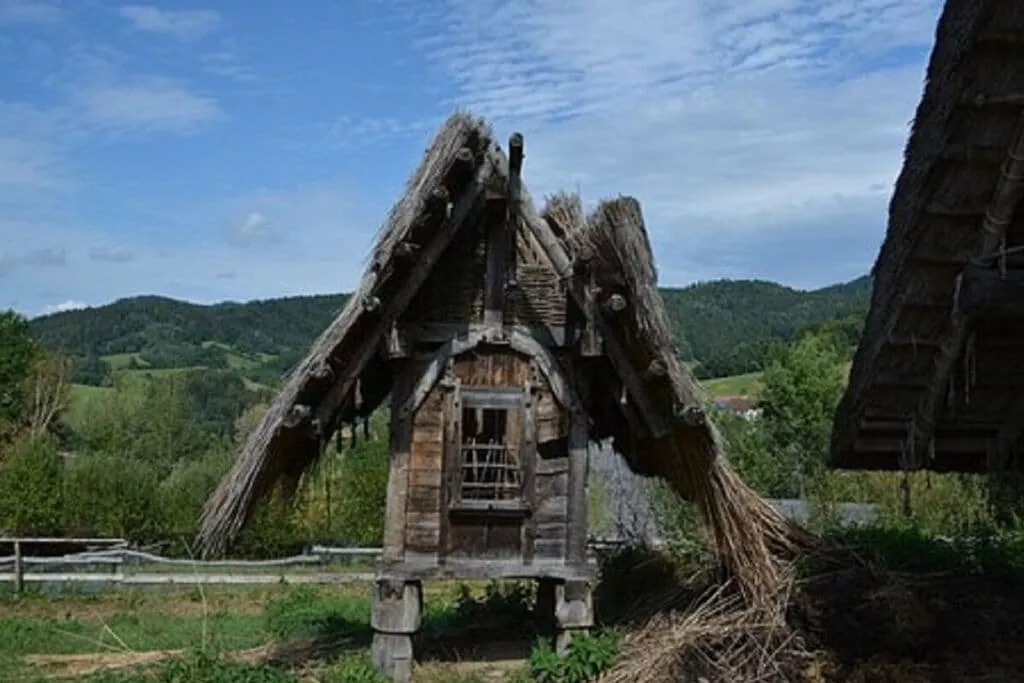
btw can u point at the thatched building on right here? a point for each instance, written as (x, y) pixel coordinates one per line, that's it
(938, 379)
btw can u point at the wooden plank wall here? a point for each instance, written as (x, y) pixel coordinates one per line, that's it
(429, 531)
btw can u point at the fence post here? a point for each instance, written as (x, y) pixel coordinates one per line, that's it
(19, 569)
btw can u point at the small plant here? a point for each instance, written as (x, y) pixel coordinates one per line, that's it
(199, 667)
(587, 656)
(353, 669)
(504, 602)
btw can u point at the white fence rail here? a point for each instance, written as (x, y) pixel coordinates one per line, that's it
(111, 561)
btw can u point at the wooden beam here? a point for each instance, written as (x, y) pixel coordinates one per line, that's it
(1005, 197)
(515, 187)
(524, 344)
(576, 538)
(486, 568)
(1009, 435)
(590, 342)
(466, 205)
(441, 333)
(615, 303)
(990, 290)
(501, 239)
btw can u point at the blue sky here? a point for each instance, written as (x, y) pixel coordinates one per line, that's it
(234, 150)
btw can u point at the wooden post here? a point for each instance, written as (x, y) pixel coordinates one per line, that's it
(398, 474)
(576, 539)
(574, 611)
(19, 569)
(396, 616)
(544, 607)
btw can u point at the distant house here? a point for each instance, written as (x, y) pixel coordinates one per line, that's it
(743, 406)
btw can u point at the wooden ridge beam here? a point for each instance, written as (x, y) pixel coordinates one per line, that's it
(1006, 196)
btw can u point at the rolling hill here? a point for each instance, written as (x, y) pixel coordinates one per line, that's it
(724, 328)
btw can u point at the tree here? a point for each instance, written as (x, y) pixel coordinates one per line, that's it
(46, 393)
(802, 386)
(18, 352)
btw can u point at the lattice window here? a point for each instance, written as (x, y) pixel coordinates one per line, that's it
(489, 455)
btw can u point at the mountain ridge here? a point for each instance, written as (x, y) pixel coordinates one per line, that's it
(723, 326)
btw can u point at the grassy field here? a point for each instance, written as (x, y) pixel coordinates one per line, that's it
(737, 385)
(75, 636)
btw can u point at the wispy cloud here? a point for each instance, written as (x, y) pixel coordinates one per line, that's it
(147, 104)
(732, 121)
(253, 229)
(182, 24)
(29, 12)
(51, 257)
(111, 254)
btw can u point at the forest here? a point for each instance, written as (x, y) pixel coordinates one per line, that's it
(729, 327)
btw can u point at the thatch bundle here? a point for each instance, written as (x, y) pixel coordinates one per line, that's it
(751, 537)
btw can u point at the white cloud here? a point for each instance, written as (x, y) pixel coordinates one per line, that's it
(69, 305)
(733, 121)
(253, 229)
(149, 104)
(183, 24)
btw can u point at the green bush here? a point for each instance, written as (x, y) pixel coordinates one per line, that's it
(115, 496)
(31, 492)
(587, 656)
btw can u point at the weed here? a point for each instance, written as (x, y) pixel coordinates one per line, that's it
(587, 656)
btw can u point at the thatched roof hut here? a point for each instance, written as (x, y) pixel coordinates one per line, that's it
(583, 283)
(935, 382)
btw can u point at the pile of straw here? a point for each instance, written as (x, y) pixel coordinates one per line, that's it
(752, 539)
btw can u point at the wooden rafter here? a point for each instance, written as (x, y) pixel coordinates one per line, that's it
(1005, 198)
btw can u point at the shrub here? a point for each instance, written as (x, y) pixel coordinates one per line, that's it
(31, 495)
(111, 495)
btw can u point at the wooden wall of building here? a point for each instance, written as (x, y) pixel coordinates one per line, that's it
(430, 528)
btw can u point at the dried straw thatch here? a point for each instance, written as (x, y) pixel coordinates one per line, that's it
(932, 386)
(280, 449)
(672, 438)
(749, 534)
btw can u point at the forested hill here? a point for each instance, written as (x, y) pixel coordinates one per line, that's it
(723, 327)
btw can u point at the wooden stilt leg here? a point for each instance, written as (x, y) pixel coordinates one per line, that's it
(397, 611)
(574, 611)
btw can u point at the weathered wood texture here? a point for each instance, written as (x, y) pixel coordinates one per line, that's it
(455, 292)
(438, 526)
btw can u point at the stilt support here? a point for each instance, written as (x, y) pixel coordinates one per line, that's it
(397, 611)
(574, 611)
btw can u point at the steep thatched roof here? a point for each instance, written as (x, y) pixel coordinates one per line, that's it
(660, 430)
(932, 383)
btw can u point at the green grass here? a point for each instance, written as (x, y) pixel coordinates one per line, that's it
(221, 619)
(121, 361)
(749, 384)
(737, 385)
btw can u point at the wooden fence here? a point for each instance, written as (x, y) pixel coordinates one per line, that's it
(113, 562)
